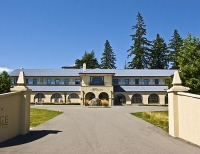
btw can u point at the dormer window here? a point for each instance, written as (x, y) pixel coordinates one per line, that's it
(96, 80)
(126, 81)
(156, 81)
(57, 81)
(77, 81)
(115, 82)
(34, 81)
(146, 81)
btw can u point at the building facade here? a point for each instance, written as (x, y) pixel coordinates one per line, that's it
(117, 86)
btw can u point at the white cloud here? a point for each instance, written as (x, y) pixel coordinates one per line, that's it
(5, 69)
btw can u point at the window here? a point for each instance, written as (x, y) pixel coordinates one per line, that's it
(115, 81)
(97, 80)
(34, 81)
(57, 81)
(48, 81)
(156, 81)
(66, 81)
(146, 81)
(27, 81)
(137, 81)
(77, 81)
(15, 81)
(126, 81)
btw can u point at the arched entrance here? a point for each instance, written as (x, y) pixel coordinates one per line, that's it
(56, 97)
(39, 97)
(89, 96)
(136, 98)
(153, 98)
(103, 96)
(119, 99)
(166, 99)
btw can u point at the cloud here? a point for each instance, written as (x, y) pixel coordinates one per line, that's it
(5, 69)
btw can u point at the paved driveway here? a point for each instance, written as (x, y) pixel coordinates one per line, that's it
(113, 130)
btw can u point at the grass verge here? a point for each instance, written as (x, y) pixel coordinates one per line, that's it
(38, 116)
(157, 118)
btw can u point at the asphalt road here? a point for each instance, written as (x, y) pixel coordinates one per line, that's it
(82, 130)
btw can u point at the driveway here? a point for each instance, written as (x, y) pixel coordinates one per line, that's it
(81, 130)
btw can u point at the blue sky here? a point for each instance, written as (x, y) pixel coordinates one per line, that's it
(54, 33)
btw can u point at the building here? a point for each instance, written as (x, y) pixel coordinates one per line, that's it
(118, 86)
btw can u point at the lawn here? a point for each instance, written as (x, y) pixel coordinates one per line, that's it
(157, 118)
(38, 116)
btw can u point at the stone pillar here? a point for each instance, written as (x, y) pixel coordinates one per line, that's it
(25, 103)
(111, 99)
(173, 112)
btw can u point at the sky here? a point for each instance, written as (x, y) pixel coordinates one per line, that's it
(42, 34)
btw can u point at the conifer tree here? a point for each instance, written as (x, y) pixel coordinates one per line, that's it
(158, 55)
(89, 59)
(139, 49)
(176, 43)
(5, 82)
(108, 57)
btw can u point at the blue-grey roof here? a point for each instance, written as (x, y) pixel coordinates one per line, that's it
(143, 72)
(77, 72)
(47, 72)
(131, 72)
(140, 88)
(55, 88)
(98, 71)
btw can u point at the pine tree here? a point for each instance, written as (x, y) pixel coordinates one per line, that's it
(108, 57)
(176, 43)
(89, 59)
(5, 82)
(159, 54)
(139, 49)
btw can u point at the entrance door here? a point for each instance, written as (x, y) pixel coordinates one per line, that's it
(120, 99)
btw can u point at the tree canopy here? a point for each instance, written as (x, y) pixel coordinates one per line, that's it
(108, 57)
(158, 56)
(89, 59)
(189, 62)
(5, 82)
(139, 49)
(175, 45)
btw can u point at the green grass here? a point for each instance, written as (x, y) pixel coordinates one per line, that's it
(157, 118)
(38, 116)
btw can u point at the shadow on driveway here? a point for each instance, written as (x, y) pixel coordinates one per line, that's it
(31, 136)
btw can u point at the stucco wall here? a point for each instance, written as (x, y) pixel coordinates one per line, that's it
(48, 96)
(189, 115)
(14, 114)
(145, 96)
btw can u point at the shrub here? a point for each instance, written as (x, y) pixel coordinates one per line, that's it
(159, 119)
(104, 102)
(86, 103)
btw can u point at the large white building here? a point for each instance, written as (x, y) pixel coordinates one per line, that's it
(118, 86)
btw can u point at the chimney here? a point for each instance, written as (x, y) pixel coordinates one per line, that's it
(84, 67)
